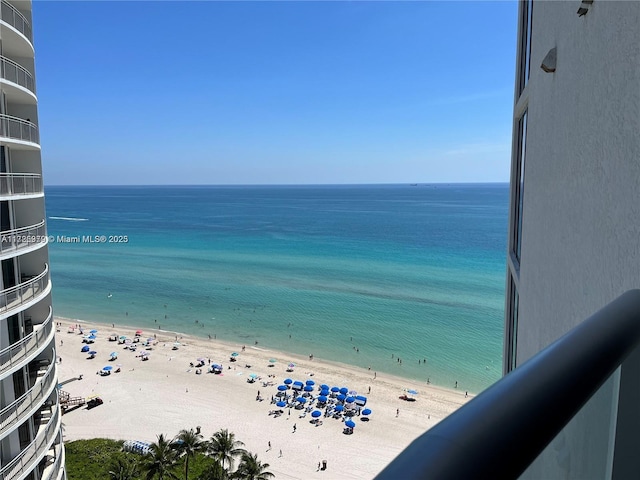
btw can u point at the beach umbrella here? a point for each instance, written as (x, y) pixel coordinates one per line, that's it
(310, 382)
(85, 348)
(282, 388)
(301, 400)
(288, 381)
(335, 389)
(350, 423)
(291, 365)
(113, 355)
(235, 354)
(201, 359)
(93, 331)
(253, 375)
(308, 388)
(341, 397)
(144, 354)
(93, 352)
(281, 404)
(339, 408)
(322, 399)
(412, 392)
(344, 390)
(107, 368)
(350, 399)
(324, 386)
(216, 365)
(128, 341)
(316, 413)
(352, 393)
(138, 332)
(92, 337)
(122, 337)
(324, 393)
(366, 411)
(272, 360)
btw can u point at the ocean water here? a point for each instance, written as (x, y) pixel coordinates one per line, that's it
(355, 274)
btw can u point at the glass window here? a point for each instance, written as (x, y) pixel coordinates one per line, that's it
(525, 52)
(519, 186)
(512, 328)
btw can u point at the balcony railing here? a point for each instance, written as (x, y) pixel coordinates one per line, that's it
(16, 73)
(16, 296)
(17, 411)
(20, 184)
(54, 471)
(21, 238)
(26, 460)
(528, 407)
(16, 353)
(13, 17)
(18, 128)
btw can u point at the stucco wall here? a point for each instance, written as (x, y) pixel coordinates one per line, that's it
(581, 220)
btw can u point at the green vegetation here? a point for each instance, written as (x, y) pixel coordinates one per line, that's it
(186, 456)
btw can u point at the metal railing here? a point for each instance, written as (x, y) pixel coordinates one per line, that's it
(20, 238)
(18, 128)
(15, 296)
(26, 460)
(16, 353)
(13, 17)
(20, 184)
(16, 73)
(54, 472)
(17, 410)
(533, 402)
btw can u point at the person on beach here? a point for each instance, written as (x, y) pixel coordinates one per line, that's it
(280, 453)
(397, 412)
(269, 445)
(294, 427)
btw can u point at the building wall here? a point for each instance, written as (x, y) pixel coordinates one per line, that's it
(581, 207)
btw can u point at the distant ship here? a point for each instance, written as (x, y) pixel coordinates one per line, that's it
(413, 185)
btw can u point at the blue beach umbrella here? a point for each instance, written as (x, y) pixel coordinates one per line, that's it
(341, 397)
(253, 375)
(322, 399)
(339, 408)
(310, 382)
(107, 368)
(412, 392)
(335, 389)
(350, 399)
(235, 354)
(92, 337)
(324, 393)
(366, 411)
(113, 354)
(93, 331)
(85, 348)
(350, 423)
(344, 390)
(281, 404)
(282, 388)
(93, 352)
(324, 386)
(316, 413)
(301, 400)
(288, 381)
(308, 388)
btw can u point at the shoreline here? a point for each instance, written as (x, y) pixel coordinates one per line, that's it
(165, 395)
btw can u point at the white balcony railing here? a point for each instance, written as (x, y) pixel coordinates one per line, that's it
(54, 471)
(16, 73)
(30, 344)
(18, 128)
(26, 460)
(20, 184)
(14, 297)
(22, 238)
(17, 411)
(13, 17)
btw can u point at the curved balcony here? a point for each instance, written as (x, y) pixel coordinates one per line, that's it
(15, 73)
(23, 239)
(18, 129)
(27, 460)
(27, 347)
(55, 470)
(23, 407)
(15, 297)
(10, 15)
(20, 184)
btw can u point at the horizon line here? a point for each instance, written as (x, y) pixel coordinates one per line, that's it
(274, 184)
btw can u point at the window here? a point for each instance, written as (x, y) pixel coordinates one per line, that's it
(519, 170)
(526, 20)
(512, 327)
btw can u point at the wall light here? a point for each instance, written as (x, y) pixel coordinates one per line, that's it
(549, 62)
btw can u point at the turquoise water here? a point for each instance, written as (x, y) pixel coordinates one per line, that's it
(410, 271)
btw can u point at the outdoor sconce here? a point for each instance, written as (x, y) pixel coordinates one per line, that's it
(584, 7)
(549, 62)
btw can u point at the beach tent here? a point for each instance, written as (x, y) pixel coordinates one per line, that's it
(361, 401)
(297, 385)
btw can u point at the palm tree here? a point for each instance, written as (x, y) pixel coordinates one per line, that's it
(251, 468)
(224, 447)
(161, 460)
(189, 443)
(124, 468)
(215, 471)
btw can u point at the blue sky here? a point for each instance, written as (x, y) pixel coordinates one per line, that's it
(275, 92)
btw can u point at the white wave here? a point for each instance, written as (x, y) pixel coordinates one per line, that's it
(70, 219)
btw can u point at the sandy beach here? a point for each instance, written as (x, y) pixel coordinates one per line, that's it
(165, 395)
